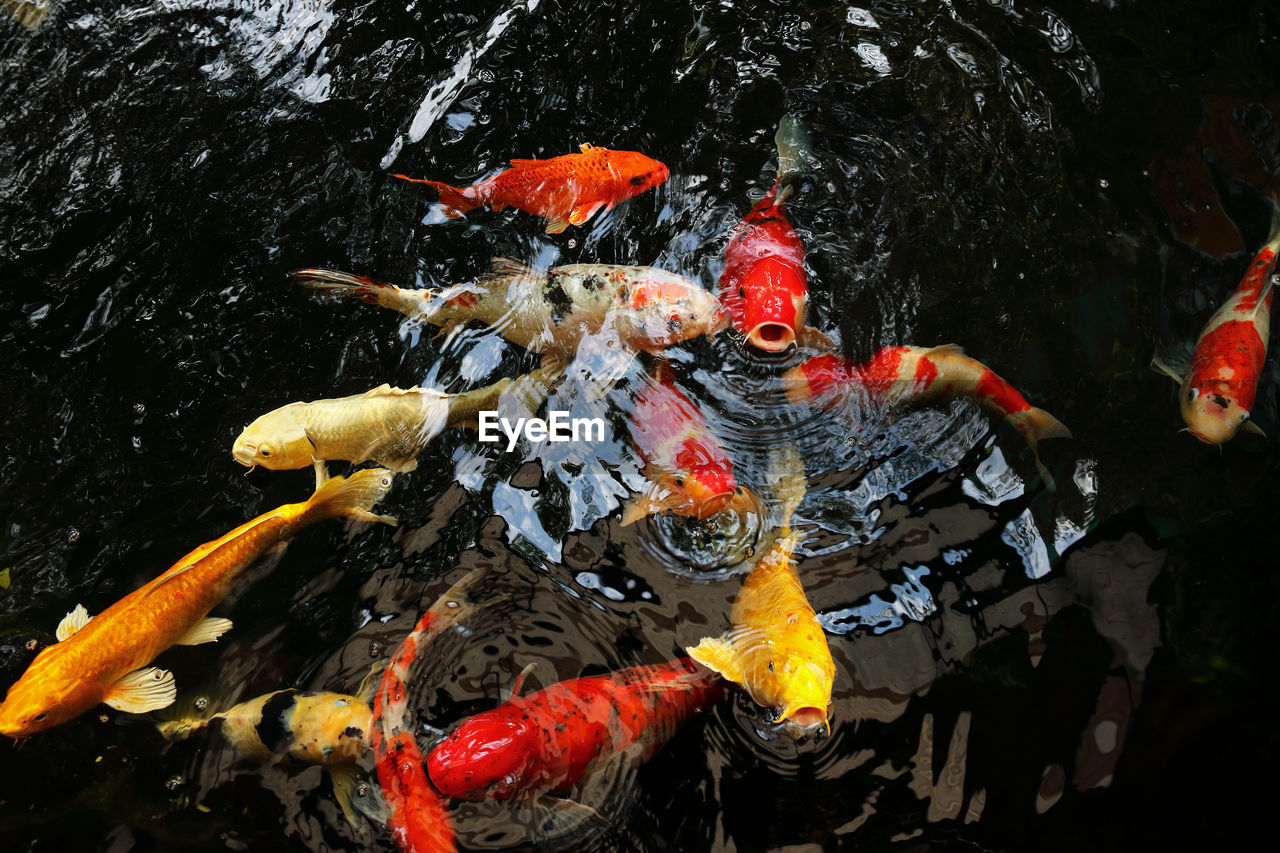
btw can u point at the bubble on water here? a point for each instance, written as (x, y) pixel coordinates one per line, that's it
(32, 643)
(572, 243)
(362, 790)
(749, 551)
(375, 650)
(73, 535)
(139, 409)
(1104, 183)
(173, 783)
(201, 703)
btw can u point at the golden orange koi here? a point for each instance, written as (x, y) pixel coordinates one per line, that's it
(104, 658)
(775, 648)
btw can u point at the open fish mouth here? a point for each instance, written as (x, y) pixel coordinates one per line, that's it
(245, 455)
(772, 337)
(807, 721)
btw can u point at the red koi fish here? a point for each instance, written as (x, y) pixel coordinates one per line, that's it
(416, 816)
(691, 473)
(567, 190)
(550, 740)
(1221, 382)
(763, 286)
(914, 375)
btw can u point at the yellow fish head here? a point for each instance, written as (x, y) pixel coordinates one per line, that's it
(34, 704)
(276, 441)
(804, 686)
(1212, 415)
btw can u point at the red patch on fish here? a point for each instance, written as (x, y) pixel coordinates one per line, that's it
(1233, 346)
(1000, 394)
(764, 280)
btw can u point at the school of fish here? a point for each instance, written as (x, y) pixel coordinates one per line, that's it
(553, 741)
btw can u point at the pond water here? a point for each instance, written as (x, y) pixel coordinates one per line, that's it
(1061, 191)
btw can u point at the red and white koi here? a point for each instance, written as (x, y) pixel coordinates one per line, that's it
(907, 375)
(690, 472)
(1220, 384)
(550, 740)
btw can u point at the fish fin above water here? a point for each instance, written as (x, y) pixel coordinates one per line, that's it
(353, 497)
(525, 162)
(72, 622)
(207, 630)
(557, 225)
(811, 338)
(583, 212)
(369, 685)
(502, 267)
(142, 690)
(720, 655)
(356, 795)
(1174, 361)
(519, 682)
(640, 506)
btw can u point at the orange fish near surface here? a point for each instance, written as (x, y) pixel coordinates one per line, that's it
(1221, 383)
(567, 190)
(101, 659)
(691, 473)
(912, 375)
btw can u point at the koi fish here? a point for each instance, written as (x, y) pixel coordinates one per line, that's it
(551, 739)
(912, 375)
(691, 473)
(416, 815)
(1221, 382)
(328, 729)
(763, 286)
(567, 190)
(550, 311)
(28, 13)
(387, 425)
(104, 658)
(775, 648)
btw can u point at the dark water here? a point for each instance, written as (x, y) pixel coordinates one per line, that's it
(1059, 190)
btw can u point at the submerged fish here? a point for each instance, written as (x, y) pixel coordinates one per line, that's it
(101, 659)
(29, 13)
(1221, 382)
(416, 815)
(550, 740)
(328, 729)
(567, 190)
(550, 311)
(913, 375)
(775, 647)
(387, 425)
(763, 286)
(691, 473)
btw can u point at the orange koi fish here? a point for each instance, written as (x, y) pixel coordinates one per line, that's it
(775, 647)
(416, 815)
(912, 375)
(550, 311)
(550, 740)
(567, 190)
(690, 471)
(101, 659)
(1221, 382)
(764, 287)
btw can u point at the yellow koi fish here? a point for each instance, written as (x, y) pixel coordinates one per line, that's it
(775, 648)
(389, 426)
(104, 658)
(323, 728)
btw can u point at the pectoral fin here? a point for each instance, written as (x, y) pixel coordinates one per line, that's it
(811, 338)
(72, 622)
(207, 630)
(718, 654)
(1174, 361)
(142, 690)
(1250, 426)
(556, 225)
(640, 507)
(400, 466)
(583, 212)
(354, 794)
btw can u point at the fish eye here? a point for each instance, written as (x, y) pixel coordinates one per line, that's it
(1191, 395)
(264, 451)
(38, 717)
(771, 666)
(680, 482)
(638, 180)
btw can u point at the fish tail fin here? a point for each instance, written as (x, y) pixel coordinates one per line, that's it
(176, 730)
(196, 711)
(1035, 426)
(786, 471)
(795, 152)
(353, 497)
(457, 201)
(347, 285)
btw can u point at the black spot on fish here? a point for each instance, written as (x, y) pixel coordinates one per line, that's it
(353, 731)
(761, 220)
(559, 300)
(273, 729)
(1221, 400)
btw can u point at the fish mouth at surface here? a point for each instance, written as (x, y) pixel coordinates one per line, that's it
(771, 337)
(245, 454)
(807, 721)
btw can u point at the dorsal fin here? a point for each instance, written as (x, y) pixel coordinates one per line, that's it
(525, 162)
(946, 350)
(511, 267)
(72, 622)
